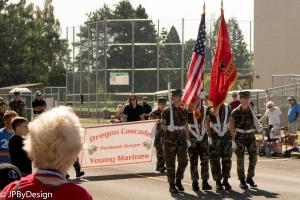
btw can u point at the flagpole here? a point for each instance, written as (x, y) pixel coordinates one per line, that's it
(204, 64)
(222, 10)
(202, 89)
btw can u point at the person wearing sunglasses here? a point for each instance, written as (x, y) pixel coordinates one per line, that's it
(273, 114)
(133, 111)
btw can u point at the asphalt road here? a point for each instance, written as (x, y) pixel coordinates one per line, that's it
(276, 179)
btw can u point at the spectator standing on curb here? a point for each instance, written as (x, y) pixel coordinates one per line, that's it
(2, 111)
(18, 104)
(293, 115)
(235, 101)
(5, 134)
(133, 111)
(39, 104)
(19, 157)
(146, 108)
(53, 143)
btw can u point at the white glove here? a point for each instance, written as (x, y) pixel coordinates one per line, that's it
(233, 144)
(171, 128)
(189, 144)
(209, 141)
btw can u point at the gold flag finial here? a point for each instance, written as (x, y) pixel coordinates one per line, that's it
(222, 10)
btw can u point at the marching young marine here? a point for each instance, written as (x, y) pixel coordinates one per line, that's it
(175, 123)
(220, 145)
(199, 144)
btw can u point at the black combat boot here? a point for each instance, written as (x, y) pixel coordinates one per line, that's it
(179, 185)
(79, 174)
(251, 182)
(163, 169)
(205, 185)
(219, 185)
(195, 186)
(226, 184)
(243, 184)
(172, 188)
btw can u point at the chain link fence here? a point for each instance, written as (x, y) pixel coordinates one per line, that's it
(285, 79)
(279, 96)
(111, 59)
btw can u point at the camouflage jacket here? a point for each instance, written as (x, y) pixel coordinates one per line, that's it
(243, 119)
(18, 107)
(1, 121)
(199, 120)
(180, 116)
(156, 114)
(213, 119)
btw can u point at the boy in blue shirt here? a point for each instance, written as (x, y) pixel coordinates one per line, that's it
(5, 134)
(293, 115)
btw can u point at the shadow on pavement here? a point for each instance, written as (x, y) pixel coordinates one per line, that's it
(218, 195)
(117, 177)
(245, 195)
(183, 195)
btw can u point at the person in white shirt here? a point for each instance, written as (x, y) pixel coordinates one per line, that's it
(274, 115)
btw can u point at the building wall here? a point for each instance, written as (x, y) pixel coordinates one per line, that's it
(276, 40)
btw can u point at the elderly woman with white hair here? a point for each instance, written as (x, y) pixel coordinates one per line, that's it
(273, 114)
(53, 145)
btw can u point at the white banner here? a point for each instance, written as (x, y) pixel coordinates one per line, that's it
(119, 78)
(118, 144)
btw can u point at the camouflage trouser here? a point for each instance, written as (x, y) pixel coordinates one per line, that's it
(175, 145)
(199, 149)
(245, 140)
(158, 143)
(221, 148)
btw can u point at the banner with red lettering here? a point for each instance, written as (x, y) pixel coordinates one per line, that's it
(118, 144)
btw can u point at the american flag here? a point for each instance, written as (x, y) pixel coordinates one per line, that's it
(196, 70)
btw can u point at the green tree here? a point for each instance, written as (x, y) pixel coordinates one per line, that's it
(31, 47)
(170, 57)
(2, 4)
(242, 56)
(92, 46)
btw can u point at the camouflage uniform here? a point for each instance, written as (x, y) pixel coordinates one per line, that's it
(175, 143)
(198, 149)
(2, 111)
(244, 120)
(18, 107)
(158, 142)
(221, 148)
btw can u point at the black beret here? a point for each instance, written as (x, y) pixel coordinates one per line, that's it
(176, 92)
(162, 100)
(244, 94)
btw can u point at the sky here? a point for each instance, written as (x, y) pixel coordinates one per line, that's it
(73, 12)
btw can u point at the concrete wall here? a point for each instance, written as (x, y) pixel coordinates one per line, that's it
(276, 40)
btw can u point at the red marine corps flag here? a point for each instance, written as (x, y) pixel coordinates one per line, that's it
(195, 74)
(223, 73)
